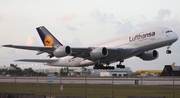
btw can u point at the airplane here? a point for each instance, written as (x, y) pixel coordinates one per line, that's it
(141, 43)
(139, 72)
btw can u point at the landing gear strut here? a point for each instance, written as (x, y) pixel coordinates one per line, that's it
(120, 65)
(168, 51)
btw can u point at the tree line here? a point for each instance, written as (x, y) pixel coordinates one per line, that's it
(15, 70)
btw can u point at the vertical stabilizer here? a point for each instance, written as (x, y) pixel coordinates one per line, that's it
(173, 64)
(47, 38)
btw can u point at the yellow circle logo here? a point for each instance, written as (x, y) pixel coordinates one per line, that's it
(48, 40)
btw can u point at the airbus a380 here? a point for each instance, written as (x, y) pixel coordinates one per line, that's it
(139, 43)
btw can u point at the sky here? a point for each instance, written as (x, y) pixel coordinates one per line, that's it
(82, 22)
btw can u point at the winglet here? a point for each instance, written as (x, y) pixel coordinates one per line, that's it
(47, 38)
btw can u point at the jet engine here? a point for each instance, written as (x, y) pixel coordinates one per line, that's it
(149, 55)
(99, 53)
(62, 51)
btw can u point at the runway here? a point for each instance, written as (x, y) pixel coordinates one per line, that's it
(90, 80)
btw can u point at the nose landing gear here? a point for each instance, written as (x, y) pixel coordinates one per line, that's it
(168, 51)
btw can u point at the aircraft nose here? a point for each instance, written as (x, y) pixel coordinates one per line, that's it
(175, 36)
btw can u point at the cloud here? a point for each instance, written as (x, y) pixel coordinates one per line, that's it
(122, 27)
(142, 17)
(103, 18)
(30, 41)
(112, 18)
(33, 41)
(163, 13)
(72, 28)
(1, 17)
(171, 23)
(75, 43)
(66, 18)
(160, 20)
(125, 28)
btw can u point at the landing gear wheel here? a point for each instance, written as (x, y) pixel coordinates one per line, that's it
(102, 67)
(120, 66)
(117, 66)
(123, 66)
(168, 51)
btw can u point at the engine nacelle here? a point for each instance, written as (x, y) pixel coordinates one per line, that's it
(62, 51)
(149, 55)
(99, 53)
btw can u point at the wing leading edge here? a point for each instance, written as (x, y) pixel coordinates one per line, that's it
(38, 60)
(40, 49)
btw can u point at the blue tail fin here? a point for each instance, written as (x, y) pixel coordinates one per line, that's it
(47, 38)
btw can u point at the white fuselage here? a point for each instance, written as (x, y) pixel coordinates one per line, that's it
(139, 41)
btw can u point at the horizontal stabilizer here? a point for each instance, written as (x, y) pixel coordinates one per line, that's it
(38, 60)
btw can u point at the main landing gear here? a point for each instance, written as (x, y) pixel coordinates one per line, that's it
(168, 51)
(100, 66)
(120, 65)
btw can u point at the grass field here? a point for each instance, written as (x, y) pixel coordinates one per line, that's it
(94, 90)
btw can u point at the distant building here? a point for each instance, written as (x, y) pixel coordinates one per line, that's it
(53, 70)
(78, 71)
(46, 71)
(108, 73)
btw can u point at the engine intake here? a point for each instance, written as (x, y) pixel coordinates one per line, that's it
(99, 53)
(149, 55)
(62, 51)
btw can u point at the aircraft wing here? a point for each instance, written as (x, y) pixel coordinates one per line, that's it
(81, 52)
(84, 52)
(38, 60)
(40, 49)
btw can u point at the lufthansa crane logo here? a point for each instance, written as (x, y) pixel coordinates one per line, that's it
(48, 40)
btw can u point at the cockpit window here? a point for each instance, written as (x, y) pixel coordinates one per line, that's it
(168, 31)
